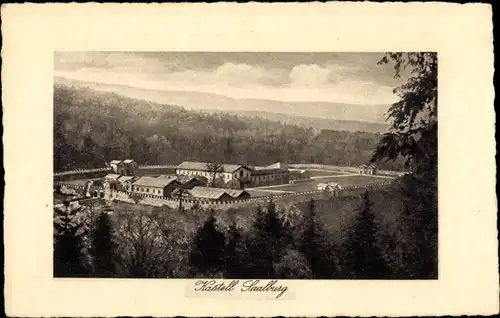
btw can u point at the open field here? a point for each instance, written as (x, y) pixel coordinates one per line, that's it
(298, 187)
(345, 180)
(354, 179)
(319, 173)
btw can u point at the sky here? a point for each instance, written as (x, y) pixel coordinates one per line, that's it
(354, 78)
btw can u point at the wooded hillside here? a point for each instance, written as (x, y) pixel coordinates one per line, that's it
(91, 128)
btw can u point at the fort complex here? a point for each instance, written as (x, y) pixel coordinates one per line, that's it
(125, 180)
(204, 180)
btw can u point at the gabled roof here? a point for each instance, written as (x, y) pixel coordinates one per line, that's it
(367, 166)
(154, 182)
(112, 176)
(208, 193)
(128, 160)
(202, 166)
(115, 161)
(125, 178)
(185, 179)
(236, 193)
(166, 176)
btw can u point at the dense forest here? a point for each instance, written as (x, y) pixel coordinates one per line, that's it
(92, 127)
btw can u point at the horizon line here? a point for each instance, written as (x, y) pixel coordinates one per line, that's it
(217, 94)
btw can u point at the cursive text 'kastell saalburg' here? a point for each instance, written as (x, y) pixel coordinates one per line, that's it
(246, 286)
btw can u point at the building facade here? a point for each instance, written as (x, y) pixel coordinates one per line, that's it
(299, 174)
(125, 183)
(127, 167)
(367, 169)
(131, 167)
(227, 172)
(111, 181)
(117, 166)
(269, 176)
(190, 182)
(155, 186)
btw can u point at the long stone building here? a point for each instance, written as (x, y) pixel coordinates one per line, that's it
(277, 173)
(227, 172)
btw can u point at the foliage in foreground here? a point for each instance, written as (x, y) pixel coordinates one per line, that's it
(273, 241)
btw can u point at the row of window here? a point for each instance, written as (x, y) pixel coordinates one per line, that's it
(268, 177)
(298, 177)
(241, 173)
(203, 174)
(147, 190)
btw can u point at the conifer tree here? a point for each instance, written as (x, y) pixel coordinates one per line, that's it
(208, 248)
(315, 247)
(69, 234)
(235, 254)
(103, 247)
(413, 136)
(276, 230)
(363, 257)
(268, 242)
(260, 265)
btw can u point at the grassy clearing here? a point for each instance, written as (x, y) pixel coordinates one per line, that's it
(298, 187)
(354, 180)
(320, 173)
(344, 180)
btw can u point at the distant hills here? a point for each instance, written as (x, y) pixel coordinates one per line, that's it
(315, 122)
(319, 115)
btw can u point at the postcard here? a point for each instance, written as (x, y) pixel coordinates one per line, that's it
(258, 160)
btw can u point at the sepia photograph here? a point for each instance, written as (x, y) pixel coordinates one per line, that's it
(245, 165)
(249, 160)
